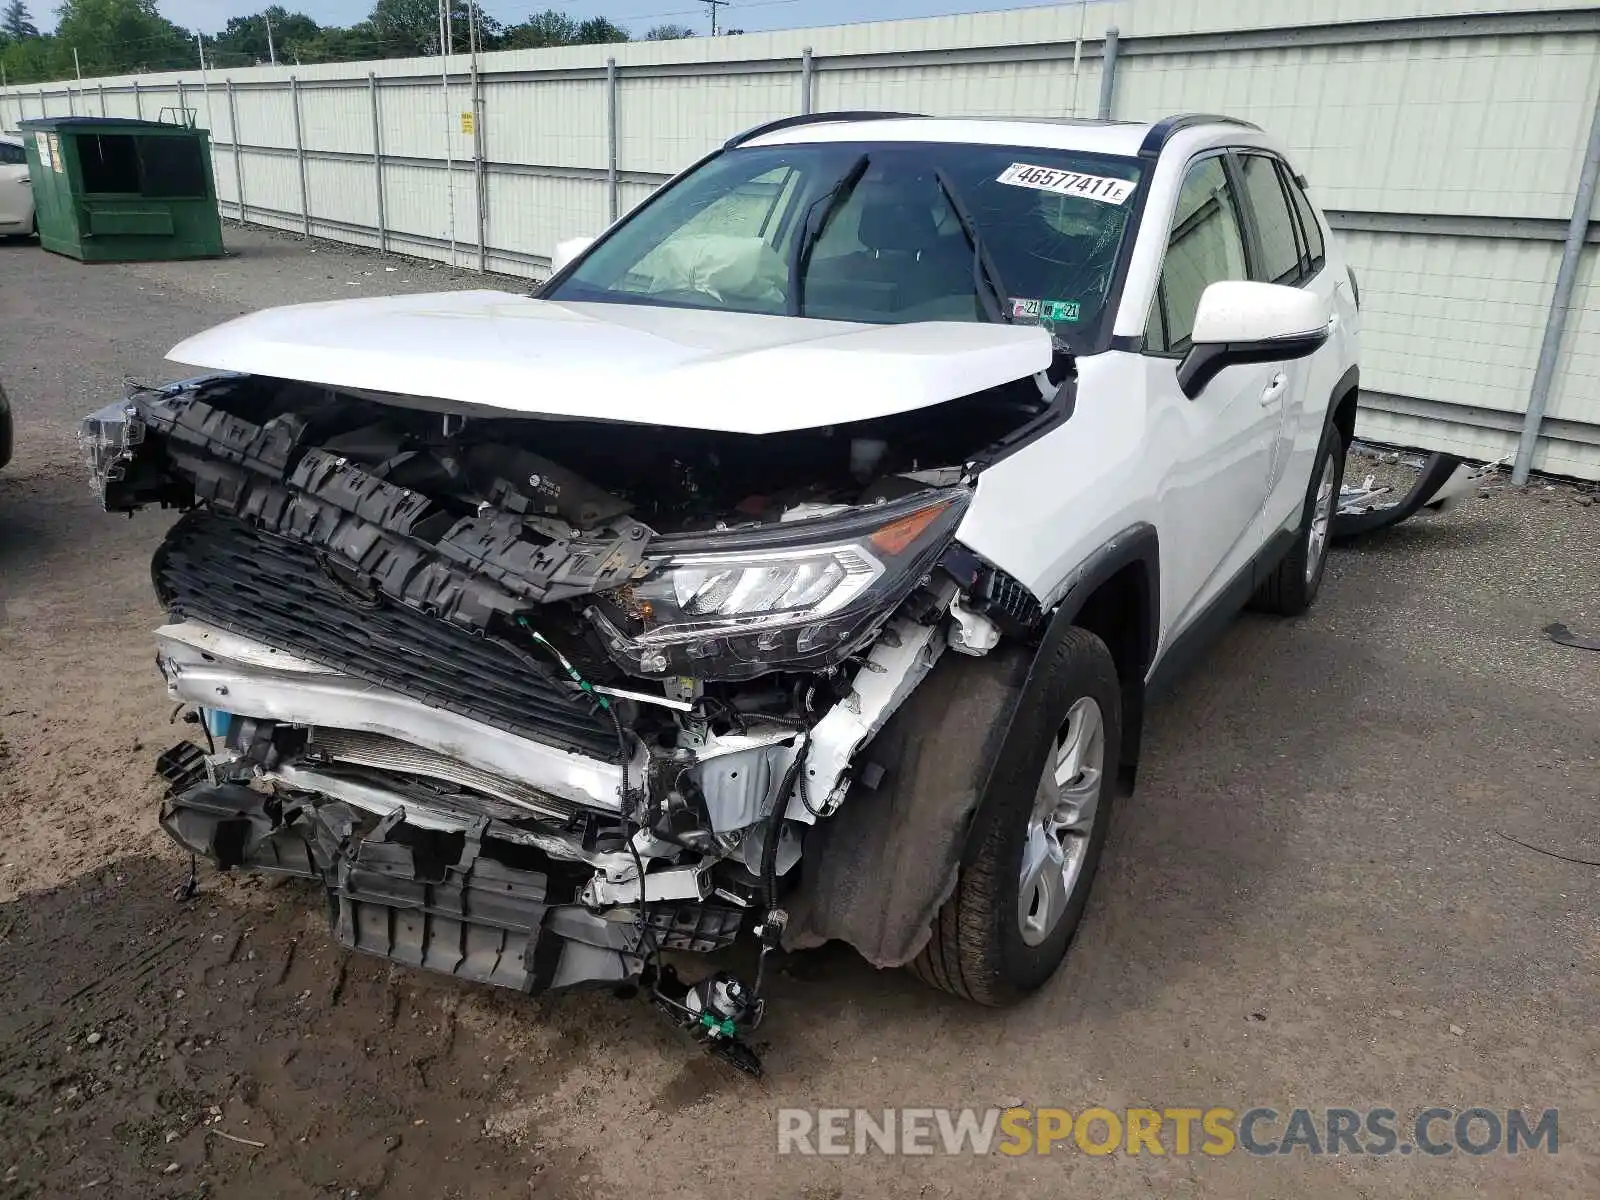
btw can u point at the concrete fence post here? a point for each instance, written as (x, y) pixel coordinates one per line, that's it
(1560, 303)
(138, 101)
(238, 154)
(611, 137)
(377, 162)
(479, 176)
(807, 67)
(300, 157)
(1108, 73)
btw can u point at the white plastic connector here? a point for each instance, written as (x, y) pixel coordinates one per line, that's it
(970, 632)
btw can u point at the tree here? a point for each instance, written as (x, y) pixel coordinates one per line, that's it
(597, 30)
(15, 22)
(243, 40)
(668, 33)
(548, 28)
(332, 44)
(490, 31)
(408, 28)
(35, 60)
(553, 28)
(116, 37)
(113, 37)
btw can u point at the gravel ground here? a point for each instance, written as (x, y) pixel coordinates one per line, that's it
(1311, 900)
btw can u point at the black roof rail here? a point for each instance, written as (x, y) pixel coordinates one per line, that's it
(756, 131)
(1163, 129)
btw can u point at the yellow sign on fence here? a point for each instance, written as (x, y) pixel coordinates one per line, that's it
(467, 122)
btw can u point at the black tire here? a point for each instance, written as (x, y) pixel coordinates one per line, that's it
(977, 949)
(1292, 587)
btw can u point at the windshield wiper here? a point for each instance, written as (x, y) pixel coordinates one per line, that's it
(985, 275)
(811, 229)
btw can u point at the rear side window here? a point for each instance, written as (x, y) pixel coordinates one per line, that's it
(1205, 246)
(12, 156)
(1312, 249)
(1281, 257)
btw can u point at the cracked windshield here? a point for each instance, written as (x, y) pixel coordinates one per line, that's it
(880, 233)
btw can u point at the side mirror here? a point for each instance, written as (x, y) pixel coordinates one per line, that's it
(1241, 322)
(568, 250)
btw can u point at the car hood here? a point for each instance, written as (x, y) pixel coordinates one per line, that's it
(496, 353)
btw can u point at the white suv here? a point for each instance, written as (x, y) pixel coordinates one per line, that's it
(797, 562)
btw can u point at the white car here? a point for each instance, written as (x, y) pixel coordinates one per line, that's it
(797, 563)
(16, 190)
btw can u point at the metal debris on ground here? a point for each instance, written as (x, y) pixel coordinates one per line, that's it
(1442, 480)
(1562, 636)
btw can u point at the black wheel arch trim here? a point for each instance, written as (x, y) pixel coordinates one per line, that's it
(1138, 544)
(1349, 385)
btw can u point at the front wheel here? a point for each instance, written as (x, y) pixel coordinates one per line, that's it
(1294, 582)
(1038, 832)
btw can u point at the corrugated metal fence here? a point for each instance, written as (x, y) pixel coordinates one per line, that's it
(1446, 144)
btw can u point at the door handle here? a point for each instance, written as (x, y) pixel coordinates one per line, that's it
(1273, 392)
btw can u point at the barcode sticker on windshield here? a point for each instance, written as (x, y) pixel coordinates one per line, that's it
(1067, 183)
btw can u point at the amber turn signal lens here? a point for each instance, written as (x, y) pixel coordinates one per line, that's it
(896, 536)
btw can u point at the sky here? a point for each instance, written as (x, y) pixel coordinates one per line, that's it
(634, 15)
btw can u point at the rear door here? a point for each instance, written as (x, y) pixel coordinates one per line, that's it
(1285, 250)
(1211, 500)
(16, 194)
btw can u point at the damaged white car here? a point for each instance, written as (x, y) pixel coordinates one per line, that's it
(795, 564)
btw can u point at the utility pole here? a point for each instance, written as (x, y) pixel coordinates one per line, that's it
(713, 5)
(272, 51)
(76, 65)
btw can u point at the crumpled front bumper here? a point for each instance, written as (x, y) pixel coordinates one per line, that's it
(481, 905)
(447, 843)
(212, 668)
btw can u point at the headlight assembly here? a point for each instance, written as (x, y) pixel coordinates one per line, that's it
(790, 596)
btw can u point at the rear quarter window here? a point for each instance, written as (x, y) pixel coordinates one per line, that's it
(1313, 249)
(1277, 241)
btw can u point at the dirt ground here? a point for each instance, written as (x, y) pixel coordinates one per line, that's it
(1311, 900)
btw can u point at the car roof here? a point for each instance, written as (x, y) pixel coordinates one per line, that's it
(1121, 138)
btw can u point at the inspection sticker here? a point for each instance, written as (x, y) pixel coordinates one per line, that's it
(43, 144)
(1047, 310)
(1067, 183)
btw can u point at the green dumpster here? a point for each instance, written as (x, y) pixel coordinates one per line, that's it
(110, 189)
